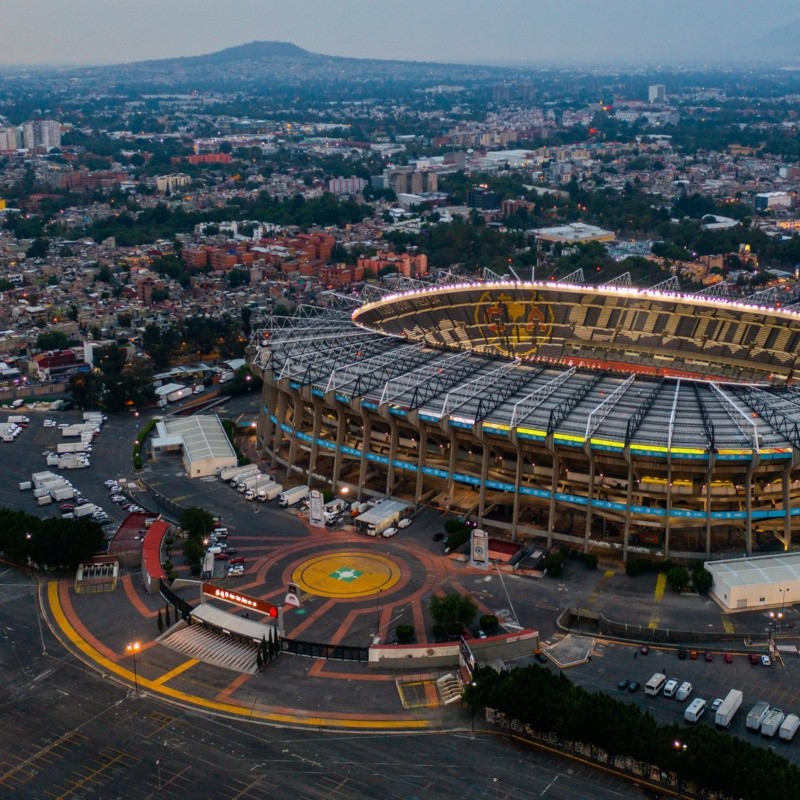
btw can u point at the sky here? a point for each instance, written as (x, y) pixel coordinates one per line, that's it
(464, 31)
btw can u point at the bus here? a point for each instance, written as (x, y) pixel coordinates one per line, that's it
(655, 684)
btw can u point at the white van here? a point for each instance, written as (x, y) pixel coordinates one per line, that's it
(670, 687)
(684, 690)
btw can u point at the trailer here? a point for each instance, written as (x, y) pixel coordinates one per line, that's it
(44, 500)
(230, 473)
(789, 727)
(292, 496)
(72, 461)
(70, 447)
(179, 394)
(261, 483)
(756, 715)
(41, 479)
(772, 723)
(248, 483)
(374, 521)
(77, 430)
(18, 419)
(25, 485)
(62, 493)
(42, 491)
(95, 417)
(239, 479)
(84, 510)
(730, 705)
(270, 492)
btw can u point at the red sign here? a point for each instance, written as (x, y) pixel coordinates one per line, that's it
(239, 599)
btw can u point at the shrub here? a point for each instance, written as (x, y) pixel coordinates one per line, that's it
(489, 622)
(439, 633)
(678, 578)
(455, 540)
(404, 633)
(702, 579)
(554, 563)
(589, 560)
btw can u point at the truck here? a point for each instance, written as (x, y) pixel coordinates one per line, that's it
(70, 447)
(18, 419)
(76, 430)
(25, 485)
(261, 482)
(72, 461)
(291, 496)
(269, 492)
(695, 710)
(44, 500)
(231, 473)
(730, 705)
(333, 509)
(772, 722)
(52, 460)
(95, 417)
(756, 715)
(225, 376)
(237, 481)
(62, 493)
(248, 483)
(41, 492)
(84, 510)
(179, 394)
(789, 727)
(386, 514)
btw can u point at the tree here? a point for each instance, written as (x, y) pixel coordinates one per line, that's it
(160, 622)
(453, 610)
(197, 522)
(167, 616)
(87, 389)
(52, 340)
(259, 660)
(39, 248)
(678, 578)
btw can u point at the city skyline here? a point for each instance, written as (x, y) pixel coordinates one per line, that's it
(42, 32)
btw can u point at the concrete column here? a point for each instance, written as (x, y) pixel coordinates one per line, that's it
(394, 435)
(341, 424)
(589, 499)
(451, 468)
(265, 429)
(709, 480)
(668, 509)
(626, 533)
(281, 406)
(749, 503)
(517, 497)
(484, 475)
(297, 417)
(421, 456)
(315, 431)
(366, 444)
(551, 520)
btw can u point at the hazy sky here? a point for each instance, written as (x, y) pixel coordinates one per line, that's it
(112, 31)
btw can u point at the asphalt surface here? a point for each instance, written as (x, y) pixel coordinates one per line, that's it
(67, 731)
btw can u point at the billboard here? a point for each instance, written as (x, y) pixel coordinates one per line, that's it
(317, 515)
(479, 550)
(239, 599)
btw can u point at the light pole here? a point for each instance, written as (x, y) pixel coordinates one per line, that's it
(134, 648)
(681, 748)
(378, 610)
(473, 684)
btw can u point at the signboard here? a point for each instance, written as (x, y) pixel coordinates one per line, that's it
(479, 551)
(208, 564)
(239, 599)
(317, 515)
(292, 596)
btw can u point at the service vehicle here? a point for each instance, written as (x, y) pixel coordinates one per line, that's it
(236, 569)
(727, 710)
(789, 727)
(772, 723)
(270, 492)
(290, 497)
(695, 710)
(684, 690)
(756, 715)
(670, 687)
(655, 684)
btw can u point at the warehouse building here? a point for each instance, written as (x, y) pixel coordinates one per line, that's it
(201, 440)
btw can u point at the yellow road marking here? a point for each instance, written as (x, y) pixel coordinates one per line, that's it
(658, 596)
(727, 625)
(213, 705)
(177, 671)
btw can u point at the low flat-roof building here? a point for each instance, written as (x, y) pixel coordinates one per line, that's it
(204, 445)
(575, 233)
(744, 584)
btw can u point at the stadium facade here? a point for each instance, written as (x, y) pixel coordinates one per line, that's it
(601, 416)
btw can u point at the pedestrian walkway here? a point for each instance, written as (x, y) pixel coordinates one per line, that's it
(214, 648)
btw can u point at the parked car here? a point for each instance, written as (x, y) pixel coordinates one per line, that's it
(754, 659)
(623, 684)
(236, 569)
(766, 661)
(633, 686)
(682, 653)
(644, 649)
(237, 560)
(709, 656)
(220, 556)
(716, 704)
(727, 658)
(541, 657)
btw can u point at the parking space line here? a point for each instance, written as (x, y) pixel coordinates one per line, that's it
(727, 625)
(177, 671)
(658, 596)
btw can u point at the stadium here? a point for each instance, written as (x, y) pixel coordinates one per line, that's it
(598, 416)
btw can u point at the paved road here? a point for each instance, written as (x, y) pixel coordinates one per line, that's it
(68, 732)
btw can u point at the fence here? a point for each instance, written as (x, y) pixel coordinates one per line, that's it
(181, 606)
(333, 651)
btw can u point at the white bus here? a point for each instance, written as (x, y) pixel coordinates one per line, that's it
(695, 710)
(655, 684)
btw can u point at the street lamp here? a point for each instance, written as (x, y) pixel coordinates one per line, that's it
(134, 648)
(681, 748)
